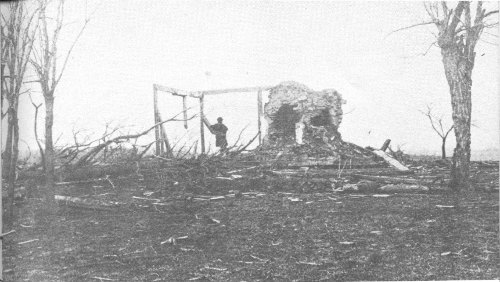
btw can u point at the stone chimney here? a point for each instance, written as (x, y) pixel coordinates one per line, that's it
(297, 115)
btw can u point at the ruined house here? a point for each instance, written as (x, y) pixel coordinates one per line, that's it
(297, 114)
(303, 124)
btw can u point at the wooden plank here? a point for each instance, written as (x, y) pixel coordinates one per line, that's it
(157, 129)
(385, 145)
(235, 90)
(202, 127)
(393, 162)
(259, 114)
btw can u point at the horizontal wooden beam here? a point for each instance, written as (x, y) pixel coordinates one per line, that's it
(235, 90)
(198, 94)
(174, 91)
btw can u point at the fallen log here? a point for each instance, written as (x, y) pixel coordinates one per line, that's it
(387, 179)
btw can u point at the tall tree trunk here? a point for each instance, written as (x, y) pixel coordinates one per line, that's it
(443, 148)
(49, 151)
(7, 153)
(35, 128)
(458, 70)
(12, 169)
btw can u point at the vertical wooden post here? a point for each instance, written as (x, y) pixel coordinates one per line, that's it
(162, 145)
(157, 128)
(259, 114)
(202, 126)
(163, 134)
(1, 196)
(184, 110)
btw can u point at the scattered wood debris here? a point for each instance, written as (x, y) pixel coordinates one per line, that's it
(173, 240)
(86, 203)
(29, 241)
(390, 160)
(444, 207)
(7, 233)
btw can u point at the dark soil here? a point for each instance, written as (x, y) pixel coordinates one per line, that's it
(272, 235)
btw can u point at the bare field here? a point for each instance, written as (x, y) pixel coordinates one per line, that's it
(266, 230)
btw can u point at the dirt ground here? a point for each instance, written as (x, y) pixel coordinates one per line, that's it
(263, 231)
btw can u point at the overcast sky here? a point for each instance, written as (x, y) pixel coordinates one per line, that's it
(194, 45)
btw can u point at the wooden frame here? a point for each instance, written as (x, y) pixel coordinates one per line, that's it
(160, 132)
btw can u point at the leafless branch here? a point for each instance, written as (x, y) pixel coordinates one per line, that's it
(408, 27)
(434, 120)
(95, 150)
(490, 13)
(70, 50)
(429, 48)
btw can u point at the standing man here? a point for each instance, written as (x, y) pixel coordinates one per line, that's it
(220, 130)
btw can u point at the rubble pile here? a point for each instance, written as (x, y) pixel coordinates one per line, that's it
(297, 114)
(303, 129)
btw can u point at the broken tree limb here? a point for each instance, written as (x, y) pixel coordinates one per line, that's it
(393, 162)
(184, 110)
(248, 144)
(95, 150)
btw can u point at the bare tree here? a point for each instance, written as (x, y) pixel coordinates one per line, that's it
(458, 34)
(18, 27)
(437, 126)
(35, 129)
(45, 60)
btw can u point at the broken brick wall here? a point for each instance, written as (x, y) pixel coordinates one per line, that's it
(297, 114)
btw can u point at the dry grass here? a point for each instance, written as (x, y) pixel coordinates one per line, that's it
(318, 236)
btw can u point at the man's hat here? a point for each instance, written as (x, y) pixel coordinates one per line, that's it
(219, 119)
